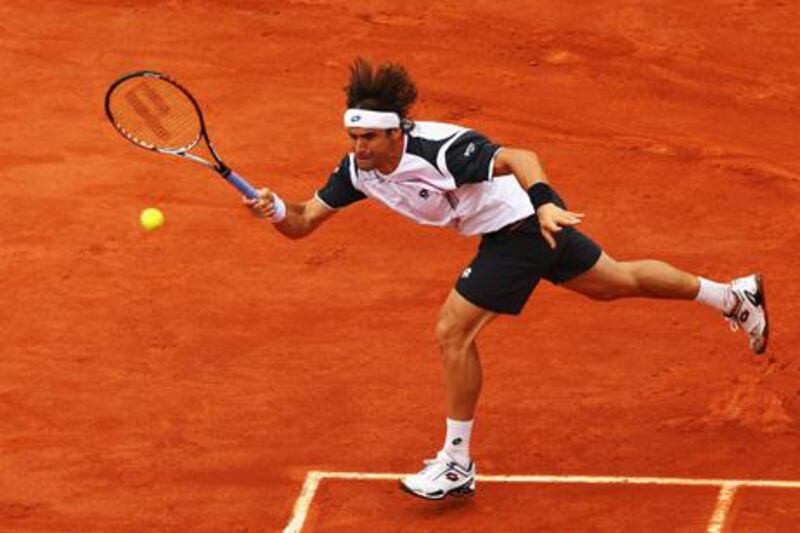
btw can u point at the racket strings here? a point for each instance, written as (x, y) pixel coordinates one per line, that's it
(155, 113)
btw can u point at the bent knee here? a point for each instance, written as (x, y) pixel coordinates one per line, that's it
(451, 334)
(458, 323)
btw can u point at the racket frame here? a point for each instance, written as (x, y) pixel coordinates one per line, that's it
(218, 165)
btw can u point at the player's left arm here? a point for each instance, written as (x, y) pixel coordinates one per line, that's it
(525, 166)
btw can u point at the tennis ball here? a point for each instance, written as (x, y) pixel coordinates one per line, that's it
(151, 219)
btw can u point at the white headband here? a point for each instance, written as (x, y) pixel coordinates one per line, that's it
(364, 118)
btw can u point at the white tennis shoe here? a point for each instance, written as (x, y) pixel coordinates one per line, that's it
(750, 312)
(440, 477)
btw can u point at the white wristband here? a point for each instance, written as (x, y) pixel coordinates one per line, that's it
(280, 209)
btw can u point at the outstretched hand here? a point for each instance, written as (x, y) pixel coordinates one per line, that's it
(552, 219)
(263, 206)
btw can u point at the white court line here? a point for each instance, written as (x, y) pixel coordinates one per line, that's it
(304, 502)
(724, 501)
(715, 525)
(597, 480)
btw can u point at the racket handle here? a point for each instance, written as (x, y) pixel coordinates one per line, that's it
(240, 183)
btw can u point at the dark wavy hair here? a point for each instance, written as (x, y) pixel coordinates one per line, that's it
(385, 88)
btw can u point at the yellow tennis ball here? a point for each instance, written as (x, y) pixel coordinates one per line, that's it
(151, 219)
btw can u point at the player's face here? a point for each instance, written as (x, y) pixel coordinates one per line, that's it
(374, 148)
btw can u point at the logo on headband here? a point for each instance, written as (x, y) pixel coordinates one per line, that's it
(355, 118)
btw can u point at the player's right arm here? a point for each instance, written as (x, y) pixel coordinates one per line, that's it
(301, 218)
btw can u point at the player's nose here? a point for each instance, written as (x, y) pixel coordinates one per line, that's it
(361, 145)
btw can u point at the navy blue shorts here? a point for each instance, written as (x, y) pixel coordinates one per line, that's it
(511, 261)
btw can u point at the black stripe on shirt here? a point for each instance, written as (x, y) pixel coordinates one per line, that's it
(339, 190)
(469, 158)
(427, 149)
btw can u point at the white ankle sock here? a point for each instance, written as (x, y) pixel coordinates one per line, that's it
(456, 443)
(717, 295)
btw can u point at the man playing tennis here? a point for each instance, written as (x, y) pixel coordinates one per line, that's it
(445, 175)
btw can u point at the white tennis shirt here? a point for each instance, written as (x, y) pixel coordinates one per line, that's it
(444, 179)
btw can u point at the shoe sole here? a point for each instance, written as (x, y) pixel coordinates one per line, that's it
(464, 491)
(760, 287)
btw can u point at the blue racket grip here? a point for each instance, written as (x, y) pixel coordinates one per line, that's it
(240, 183)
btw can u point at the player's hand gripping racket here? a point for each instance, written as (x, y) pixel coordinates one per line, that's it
(154, 112)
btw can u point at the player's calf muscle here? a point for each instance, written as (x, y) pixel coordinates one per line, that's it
(657, 279)
(647, 278)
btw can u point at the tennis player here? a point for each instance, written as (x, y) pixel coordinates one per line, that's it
(449, 176)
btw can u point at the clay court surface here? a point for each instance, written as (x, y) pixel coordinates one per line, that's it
(191, 378)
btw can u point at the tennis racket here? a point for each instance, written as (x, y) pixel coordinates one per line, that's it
(154, 112)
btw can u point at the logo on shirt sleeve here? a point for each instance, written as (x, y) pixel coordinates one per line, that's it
(470, 150)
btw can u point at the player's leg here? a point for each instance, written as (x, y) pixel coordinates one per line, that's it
(741, 301)
(499, 280)
(453, 471)
(457, 327)
(609, 279)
